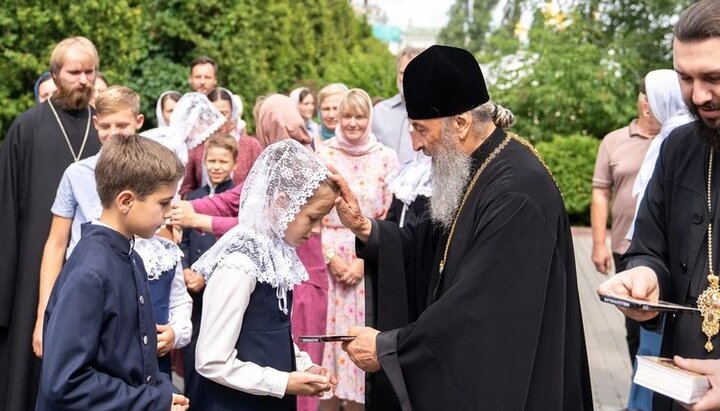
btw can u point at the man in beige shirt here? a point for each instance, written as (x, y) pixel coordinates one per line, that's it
(618, 161)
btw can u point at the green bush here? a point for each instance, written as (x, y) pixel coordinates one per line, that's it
(571, 159)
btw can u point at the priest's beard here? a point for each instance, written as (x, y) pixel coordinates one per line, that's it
(451, 171)
(707, 129)
(72, 99)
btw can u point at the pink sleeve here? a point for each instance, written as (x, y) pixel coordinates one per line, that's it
(225, 204)
(221, 225)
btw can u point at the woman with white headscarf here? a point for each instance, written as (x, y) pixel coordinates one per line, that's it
(164, 107)
(668, 107)
(230, 105)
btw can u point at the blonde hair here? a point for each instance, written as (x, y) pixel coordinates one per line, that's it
(117, 98)
(222, 140)
(355, 100)
(57, 57)
(330, 90)
(135, 163)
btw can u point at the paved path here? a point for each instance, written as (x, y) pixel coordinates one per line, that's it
(610, 369)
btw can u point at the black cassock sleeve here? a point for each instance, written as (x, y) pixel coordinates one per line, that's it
(477, 346)
(10, 213)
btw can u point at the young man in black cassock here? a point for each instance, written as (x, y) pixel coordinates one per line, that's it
(674, 251)
(37, 148)
(477, 307)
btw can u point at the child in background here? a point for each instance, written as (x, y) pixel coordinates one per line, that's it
(99, 325)
(245, 351)
(220, 153)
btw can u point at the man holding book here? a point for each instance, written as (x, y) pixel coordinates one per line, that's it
(671, 255)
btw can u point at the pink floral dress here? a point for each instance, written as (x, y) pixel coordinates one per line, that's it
(346, 306)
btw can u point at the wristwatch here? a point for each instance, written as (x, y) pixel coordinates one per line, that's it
(329, 254)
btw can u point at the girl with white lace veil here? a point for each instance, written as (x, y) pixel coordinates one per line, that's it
(230, 106)
(245, 351)
(192, 121)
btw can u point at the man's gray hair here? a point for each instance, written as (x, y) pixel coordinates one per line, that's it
(410, 52)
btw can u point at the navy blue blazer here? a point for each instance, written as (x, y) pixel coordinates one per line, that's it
(99, 334)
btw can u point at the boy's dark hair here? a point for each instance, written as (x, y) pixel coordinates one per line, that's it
(701, 21)
(204, 60)
(222, 140)
(138, 164)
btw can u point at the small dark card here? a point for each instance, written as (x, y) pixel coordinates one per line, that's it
(645, 305)
(325, 338)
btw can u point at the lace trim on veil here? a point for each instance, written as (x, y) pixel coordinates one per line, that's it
(158, 254)
(283, 179)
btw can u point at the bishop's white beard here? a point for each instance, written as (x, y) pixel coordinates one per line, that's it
(451, 172)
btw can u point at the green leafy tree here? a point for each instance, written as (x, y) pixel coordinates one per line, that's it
(468, 24)
(262, 46)
(30, 29)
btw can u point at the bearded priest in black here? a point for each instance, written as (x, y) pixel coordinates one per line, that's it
(477, 308)
(39, 145)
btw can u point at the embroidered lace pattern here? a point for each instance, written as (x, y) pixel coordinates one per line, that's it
(281, 181)
(158, 254)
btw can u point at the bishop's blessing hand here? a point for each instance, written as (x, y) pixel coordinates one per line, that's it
(348, 209)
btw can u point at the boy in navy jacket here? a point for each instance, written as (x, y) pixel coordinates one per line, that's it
(99, 329)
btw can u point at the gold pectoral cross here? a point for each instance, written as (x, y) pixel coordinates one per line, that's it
(709, 311)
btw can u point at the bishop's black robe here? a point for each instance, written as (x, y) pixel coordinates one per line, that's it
(501, 329)
(33, 157)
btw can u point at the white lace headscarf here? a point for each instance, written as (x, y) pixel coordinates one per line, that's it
(282, 180)
(193, 120)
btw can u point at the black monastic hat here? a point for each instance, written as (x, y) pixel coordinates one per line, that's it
(443, 81)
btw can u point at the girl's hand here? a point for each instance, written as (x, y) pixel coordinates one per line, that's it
(318, 370)
(165, 339)
(307, 383)
(193, 281)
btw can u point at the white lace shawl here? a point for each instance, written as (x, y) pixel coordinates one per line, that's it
(158, 255)
(280, 182)
(194, 119)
